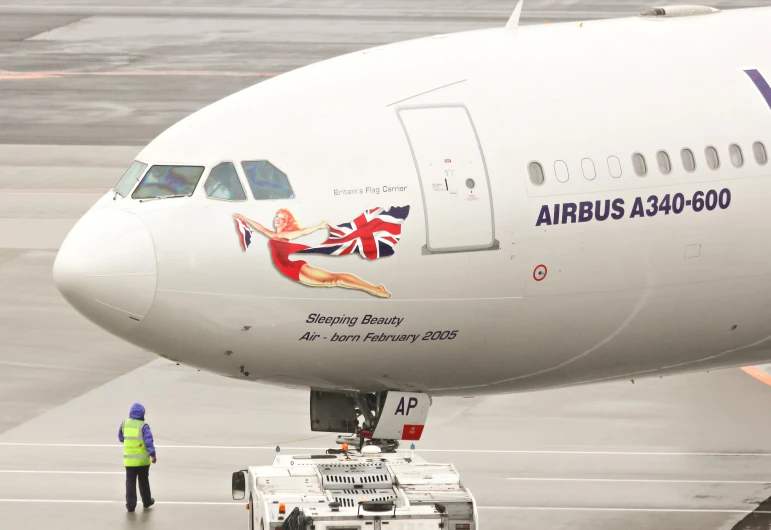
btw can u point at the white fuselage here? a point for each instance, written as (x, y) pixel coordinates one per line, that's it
(492, 290)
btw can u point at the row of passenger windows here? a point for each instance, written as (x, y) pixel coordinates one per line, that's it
(640, 164)
(265, 180)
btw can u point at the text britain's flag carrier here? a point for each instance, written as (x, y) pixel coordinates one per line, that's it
(373, 234)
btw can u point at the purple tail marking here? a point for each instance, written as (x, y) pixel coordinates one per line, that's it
(761, 83)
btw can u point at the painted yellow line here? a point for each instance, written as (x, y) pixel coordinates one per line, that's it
(12, 76)
(758, 374)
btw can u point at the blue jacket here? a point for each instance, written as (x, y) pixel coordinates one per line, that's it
(138, 413)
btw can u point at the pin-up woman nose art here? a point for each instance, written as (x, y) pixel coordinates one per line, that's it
(373, 234)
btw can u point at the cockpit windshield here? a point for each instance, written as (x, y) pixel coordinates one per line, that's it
(129, 178)
(223, 183)
(268, 183)
(168, 181)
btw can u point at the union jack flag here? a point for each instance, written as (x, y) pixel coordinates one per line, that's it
(372, 235)
(245, 232)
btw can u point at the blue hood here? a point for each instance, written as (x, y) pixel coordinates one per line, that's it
(137, 412)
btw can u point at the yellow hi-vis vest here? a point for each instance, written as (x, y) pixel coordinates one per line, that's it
(134, 451)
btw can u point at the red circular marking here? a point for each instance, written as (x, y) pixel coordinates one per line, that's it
(540, 273)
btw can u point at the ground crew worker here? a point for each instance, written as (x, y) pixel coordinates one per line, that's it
(138, 453)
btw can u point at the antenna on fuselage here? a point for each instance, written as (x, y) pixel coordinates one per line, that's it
(514, 19)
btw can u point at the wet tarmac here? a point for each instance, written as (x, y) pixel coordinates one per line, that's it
(83, 86)
(686, 452)
(92, 73)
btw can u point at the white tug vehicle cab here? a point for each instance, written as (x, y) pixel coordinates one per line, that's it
(375, 486)
(355, 490)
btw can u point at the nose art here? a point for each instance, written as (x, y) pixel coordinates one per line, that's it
(106, 269)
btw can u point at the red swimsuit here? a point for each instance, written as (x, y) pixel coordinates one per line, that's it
(280, 249)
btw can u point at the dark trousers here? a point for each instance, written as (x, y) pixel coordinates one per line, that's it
(132, 474)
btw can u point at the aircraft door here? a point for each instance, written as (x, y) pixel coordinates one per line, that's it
(453, 178)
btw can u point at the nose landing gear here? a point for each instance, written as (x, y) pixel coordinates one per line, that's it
(379, 419)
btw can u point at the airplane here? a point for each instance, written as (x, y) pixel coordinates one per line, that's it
(503, 210)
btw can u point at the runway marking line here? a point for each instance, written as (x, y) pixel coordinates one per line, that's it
(88, 501)
(35, 471)
(508, 508)
(636, 480)
(68, 191)
(8, 75)
(514, 479)
(460, 451)
(604, 509)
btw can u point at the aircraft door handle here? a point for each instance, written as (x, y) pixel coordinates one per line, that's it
(449, 181)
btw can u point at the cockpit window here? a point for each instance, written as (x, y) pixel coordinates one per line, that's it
(129, 178)
(168, 181)
(268, 183)
(223, 183)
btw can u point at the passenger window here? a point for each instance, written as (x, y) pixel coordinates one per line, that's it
(665, 164)
(689, 161)
(536, 173)
(561, 171)
(713, 159)
(587, 166)
(168, 181)
(761, 156)
(223, 183)
(614, 166)
(640, 167)
(129, 178)
(737, 158)
(268, 183)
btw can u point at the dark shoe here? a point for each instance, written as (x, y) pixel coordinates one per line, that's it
(152, 501)
(129, 508)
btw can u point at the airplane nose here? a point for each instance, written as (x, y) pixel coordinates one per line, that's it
(106, 269)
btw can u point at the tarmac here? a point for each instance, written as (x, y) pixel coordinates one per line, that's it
(83, 85)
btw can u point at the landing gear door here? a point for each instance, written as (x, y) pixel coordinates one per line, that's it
(403, 416)
(453, 178)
